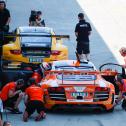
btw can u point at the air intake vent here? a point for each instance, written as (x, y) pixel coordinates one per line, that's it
(57, 93)
(101, 95)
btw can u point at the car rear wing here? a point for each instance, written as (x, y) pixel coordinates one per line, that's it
(40, 48)
(74, 75)
(109, 73)
(12, 35)
(72, 72)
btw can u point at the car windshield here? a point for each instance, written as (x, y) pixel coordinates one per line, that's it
(76, 77)
(35, 39)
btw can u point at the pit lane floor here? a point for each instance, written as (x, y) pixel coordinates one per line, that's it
(62, 16)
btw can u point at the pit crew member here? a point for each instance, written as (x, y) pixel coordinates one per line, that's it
(11, 95)
(122, 90)
(82, 31)
(33, 101)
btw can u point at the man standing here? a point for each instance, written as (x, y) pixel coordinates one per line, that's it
(4, 27)
(82, 32)
(4, 17)
(11, 95)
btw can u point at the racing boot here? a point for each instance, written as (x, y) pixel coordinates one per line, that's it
(42, 115)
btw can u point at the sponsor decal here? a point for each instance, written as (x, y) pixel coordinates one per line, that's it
(79, 89)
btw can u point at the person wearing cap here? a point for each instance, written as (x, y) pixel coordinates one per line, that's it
(34, 101)
(123, 54)
(82, 31)
(11, 95)
(4, 17)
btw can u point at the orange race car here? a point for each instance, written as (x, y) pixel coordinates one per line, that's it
(73, 84)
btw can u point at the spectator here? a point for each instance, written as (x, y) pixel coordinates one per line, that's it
(36, 19)
(11, 95)
(4, 17)
(39, 20)
(33, 101)
(122, 90)
(123, 54)
(82, 32)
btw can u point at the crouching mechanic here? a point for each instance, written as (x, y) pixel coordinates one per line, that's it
(33, 101)
(122, 91)
(11, 95)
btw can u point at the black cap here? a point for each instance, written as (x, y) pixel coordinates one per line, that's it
(81, 15)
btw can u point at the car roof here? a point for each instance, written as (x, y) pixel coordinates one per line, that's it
(29, 29)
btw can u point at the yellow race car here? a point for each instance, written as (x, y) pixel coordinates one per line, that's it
(34, 45)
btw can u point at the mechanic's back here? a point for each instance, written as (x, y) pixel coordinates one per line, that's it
(33, 101)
